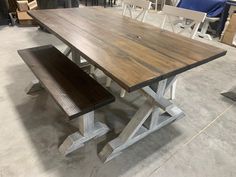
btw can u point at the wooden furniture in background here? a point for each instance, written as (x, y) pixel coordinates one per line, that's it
(230, 7)
(77, 94)
(230, 30)
(33, 5)
(22, 5)
(133, 54)
(21, 12)
(24, 19)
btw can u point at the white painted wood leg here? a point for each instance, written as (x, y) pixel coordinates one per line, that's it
(204, 29)
(114, 147)
(170, 82)
(108, 82)
(87, 131)
(92, 70)
(122, 93)
(173, 90)
(136, 129)
(76, 57)
(67, 51)
(156, 112)
(34, 86)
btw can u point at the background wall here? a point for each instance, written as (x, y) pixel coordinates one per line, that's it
(47, 4)
(3, 11)
(52, 4)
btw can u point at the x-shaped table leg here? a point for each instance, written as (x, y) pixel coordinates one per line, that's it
(150, 110)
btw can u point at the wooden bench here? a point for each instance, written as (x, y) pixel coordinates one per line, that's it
(77, 94)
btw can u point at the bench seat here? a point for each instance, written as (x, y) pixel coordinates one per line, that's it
(72, 88)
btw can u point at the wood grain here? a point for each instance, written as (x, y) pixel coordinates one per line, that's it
(132, 53)
(73, 89)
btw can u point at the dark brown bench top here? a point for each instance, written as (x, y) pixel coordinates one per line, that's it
(73, 89)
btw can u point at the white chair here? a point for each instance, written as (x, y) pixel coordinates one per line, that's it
(205, 27)
(131, 6)
(194, 19)
(189, 21)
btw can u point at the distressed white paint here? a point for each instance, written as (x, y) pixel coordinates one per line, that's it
(87, 131)
(135, 130)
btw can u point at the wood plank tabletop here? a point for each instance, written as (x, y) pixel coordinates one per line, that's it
(132, 53)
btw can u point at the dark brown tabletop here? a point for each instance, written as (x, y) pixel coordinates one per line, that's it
(132, 53)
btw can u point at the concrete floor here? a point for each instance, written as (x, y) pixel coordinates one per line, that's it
(202, 144)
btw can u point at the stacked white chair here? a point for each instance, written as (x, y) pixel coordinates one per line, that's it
(194, 19)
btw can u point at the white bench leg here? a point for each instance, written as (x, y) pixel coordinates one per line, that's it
(204, 29)
(76, 57)
(34, 86)
(67, 51)
(108, 82)
(92, 70)
(87, 131)
(122, 93)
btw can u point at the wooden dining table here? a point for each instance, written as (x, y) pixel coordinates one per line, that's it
(136, 55)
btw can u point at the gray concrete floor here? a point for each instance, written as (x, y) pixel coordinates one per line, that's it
(202, 144)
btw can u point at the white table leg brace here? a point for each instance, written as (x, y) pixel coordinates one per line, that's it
(79, 60)
(87, 131)
(150, 111)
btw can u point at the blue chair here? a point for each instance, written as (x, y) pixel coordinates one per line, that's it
(213, 8)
